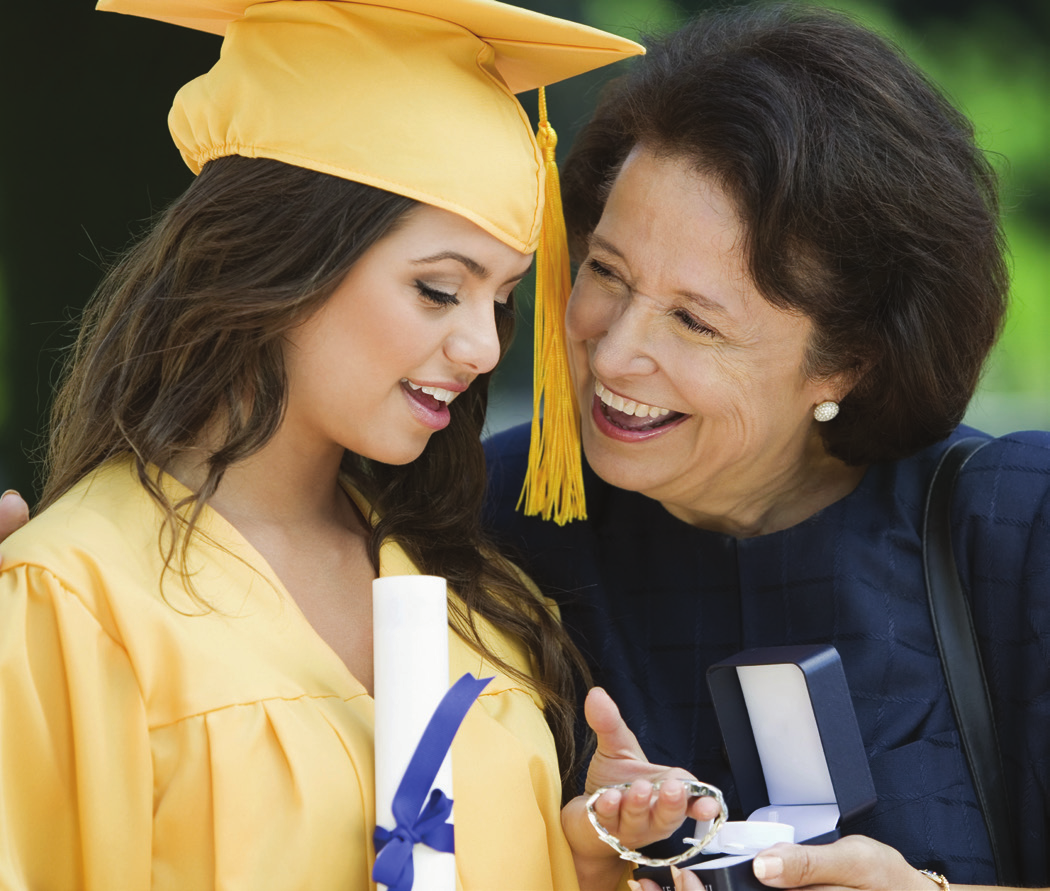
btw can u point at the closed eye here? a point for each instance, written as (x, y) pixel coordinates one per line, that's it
(433, 295)
(600, 269)
(693, 324)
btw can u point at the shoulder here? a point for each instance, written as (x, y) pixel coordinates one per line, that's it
(1024, 452)
(1007, 474)
(1001, 533)
(95, 509)
(506, 457)
(511, 442)
(90, 541)
(1006, 483)
(1000, 501)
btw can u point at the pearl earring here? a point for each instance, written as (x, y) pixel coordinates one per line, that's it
(825, 411)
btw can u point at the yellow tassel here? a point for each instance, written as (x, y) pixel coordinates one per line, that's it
(553, 485)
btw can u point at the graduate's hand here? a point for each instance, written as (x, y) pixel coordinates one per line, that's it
(637, 816)
(851, 862)
(14, 513)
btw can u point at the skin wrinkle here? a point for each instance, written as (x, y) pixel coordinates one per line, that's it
(747, 458)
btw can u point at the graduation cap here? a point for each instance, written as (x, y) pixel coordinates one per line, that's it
(417, 97)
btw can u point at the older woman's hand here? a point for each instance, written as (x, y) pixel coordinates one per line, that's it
(851, 862)
(14, 512)
(637, 816)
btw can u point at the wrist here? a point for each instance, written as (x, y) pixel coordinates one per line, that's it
(601, 873)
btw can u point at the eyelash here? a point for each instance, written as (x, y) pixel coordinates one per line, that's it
(600, 269)
(443, 298)
(690, 323)
(438, 298)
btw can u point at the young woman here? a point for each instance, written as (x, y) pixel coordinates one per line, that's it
(277, 396)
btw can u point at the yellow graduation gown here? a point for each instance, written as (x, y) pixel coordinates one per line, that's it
(146, 743)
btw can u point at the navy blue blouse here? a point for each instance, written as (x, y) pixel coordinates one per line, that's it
(653, 602)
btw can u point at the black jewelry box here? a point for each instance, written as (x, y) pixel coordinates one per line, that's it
(794, 747)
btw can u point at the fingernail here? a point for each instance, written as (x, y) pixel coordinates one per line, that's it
(768, 866)
(8, 492)
(675, 872)
(633, 885)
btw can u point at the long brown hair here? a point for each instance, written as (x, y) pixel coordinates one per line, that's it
(189, 326)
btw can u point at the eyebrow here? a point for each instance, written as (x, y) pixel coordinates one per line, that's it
(596, 241)
(472, 265)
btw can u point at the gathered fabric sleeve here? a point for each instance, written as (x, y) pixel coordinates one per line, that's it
(75, 768)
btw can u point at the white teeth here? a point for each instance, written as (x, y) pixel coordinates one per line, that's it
(628, 406)
(438, 393)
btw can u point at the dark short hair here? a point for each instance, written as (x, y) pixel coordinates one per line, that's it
(865, 201)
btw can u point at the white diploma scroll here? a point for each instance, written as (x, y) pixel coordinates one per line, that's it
(410, 644)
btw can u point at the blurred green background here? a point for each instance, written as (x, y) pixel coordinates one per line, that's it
(86, 160)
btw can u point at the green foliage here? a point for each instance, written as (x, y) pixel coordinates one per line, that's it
(632, 18)
(996, 70)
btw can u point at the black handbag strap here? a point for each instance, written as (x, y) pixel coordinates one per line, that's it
(961, 658)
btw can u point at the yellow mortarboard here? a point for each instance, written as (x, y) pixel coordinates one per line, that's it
(416, 97)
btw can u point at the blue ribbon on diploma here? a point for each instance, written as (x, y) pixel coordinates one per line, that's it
(421, 813)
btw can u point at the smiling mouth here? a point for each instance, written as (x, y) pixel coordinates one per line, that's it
(435, 398)
(630, 415)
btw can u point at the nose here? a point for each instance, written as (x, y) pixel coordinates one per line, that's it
(615, 330)
(474, 342)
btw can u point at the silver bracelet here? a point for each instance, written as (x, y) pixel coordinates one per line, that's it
(695, 789)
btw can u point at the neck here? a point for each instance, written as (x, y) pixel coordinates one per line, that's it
(761, 504)
(283, 484)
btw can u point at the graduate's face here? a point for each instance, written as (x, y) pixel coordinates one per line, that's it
(665, 322)
(407, 330)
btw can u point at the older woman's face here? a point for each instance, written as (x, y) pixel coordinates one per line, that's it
(691, 384)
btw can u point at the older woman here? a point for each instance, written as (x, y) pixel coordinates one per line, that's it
(791, 273)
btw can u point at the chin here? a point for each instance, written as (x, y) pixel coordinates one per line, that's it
(406, 458)
(616, 470)
(398, 457)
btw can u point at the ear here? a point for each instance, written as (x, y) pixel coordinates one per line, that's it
(837, 386)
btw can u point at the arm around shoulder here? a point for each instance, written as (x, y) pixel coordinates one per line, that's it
(14, 513)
